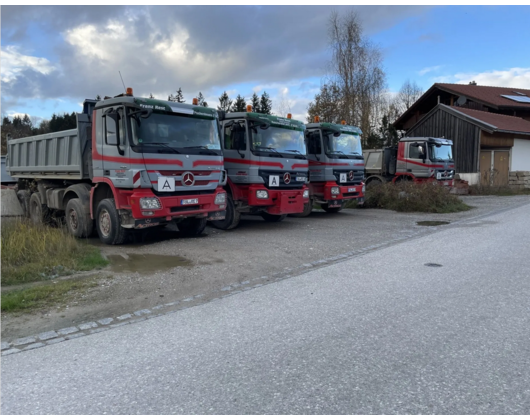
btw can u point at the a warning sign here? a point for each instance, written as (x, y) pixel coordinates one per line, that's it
(166, 184)
(274, 180)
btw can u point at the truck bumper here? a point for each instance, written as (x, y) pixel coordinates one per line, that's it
(279, 201)
(174, 207)
(345, 192)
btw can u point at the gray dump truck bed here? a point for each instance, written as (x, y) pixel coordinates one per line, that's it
(60, 155)
(373, 159)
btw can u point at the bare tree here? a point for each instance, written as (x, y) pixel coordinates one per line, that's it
(284, 104)
(407, 95)
(356, 70)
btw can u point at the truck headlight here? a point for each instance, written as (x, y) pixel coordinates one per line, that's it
(150, 203)
(220, 198)
(335, 190)
(262, 194)
(306, 193)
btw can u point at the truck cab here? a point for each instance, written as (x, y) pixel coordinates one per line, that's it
(266, 163)
(336, 165)
(422, 159)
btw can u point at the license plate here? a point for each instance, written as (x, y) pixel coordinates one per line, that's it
(446, 183)
(301, 178)
(189, 201)
(352, 189)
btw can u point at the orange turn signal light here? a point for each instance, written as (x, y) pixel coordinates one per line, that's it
(343, 122)
(129, 91)
(289, 116)
(249, 108)
(195, 101)
(317, 119)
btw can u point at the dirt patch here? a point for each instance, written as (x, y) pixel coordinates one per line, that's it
(145, 263)
(432, 223)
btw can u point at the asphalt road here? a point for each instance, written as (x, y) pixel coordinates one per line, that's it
(384, 332)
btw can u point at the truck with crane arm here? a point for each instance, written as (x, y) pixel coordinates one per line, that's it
(131, 163)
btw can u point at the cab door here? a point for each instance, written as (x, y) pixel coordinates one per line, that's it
(416, 157)
(315, 156)
(235, 150)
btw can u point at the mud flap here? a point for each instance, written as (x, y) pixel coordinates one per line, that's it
(335, 203)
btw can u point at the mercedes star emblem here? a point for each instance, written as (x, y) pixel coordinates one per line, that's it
(287, 177)
(188, 179)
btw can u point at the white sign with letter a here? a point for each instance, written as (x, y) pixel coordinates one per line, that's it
(166, 184)
(343, 177)
(274, 180)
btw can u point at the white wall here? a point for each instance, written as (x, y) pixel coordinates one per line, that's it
(472, 178)
(520, 155)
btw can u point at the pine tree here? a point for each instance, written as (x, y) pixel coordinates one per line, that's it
(239, 105)
(200, 100)
(265, 104)
(98, 97)
(255, 103)
(225, 103)
(179, 97)
(151, 96)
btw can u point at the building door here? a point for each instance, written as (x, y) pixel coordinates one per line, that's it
(501, 167)
(494, 167)
(485, 167)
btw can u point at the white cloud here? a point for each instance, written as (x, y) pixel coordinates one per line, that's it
(516, 77)
(14, 63)
(428, 70)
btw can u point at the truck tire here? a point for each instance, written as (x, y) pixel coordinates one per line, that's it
(23, 198)
(39, 213)
(108, 223)
(308, 208)
(232, 216)
(78, 222)
(192, 226)
(328, 209)
(273, 217)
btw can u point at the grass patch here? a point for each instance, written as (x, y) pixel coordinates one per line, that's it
(410, 197)
(43, 296)
(34, 253)
(498, 190)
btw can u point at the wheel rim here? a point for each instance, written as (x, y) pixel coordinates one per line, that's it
(72, 220)
(104, 223)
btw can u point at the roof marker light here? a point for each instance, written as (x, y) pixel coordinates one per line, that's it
(195, 101)
(343, 122)
(129, 91)
(289, 116)
(249, 108)
(317, 119)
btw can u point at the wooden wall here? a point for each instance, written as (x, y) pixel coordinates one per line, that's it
(465, 136)
(502, 140)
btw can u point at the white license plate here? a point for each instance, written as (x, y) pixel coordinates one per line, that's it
(446, 183)
(352, 189)
(301, 178)
(189, 201)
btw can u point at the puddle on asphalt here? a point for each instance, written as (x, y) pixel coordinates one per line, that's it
(145, 263)
(432, 223)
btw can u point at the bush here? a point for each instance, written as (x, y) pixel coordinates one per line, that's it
(32, 253)
(410, 197)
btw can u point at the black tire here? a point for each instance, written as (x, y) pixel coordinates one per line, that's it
(273, 217)
(308, 208)
(77, 221)
(328, 209)
(23, 198)
(39, 213)
(192, 226)
(108, 223)
(232, 216)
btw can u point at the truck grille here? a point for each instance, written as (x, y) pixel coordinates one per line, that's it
(358, 176)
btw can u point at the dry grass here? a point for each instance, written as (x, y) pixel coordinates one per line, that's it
(33, 252)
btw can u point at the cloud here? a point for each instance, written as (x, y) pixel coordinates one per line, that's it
(516, 77)
(14, 63)
(428, 70)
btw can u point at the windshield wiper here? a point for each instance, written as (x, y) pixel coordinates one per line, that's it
(341, 154)
(203, 152)
(297, 151)
(161, 144)
(271, 149)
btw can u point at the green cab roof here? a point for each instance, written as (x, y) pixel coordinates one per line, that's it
(181, 108)
(274, 120)
(348, 129)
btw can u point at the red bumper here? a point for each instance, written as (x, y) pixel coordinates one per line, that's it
(278, 201)
(173, 206)
(323, 190)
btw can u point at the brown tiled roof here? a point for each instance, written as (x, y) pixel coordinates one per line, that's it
(487, 94)
(499, 121)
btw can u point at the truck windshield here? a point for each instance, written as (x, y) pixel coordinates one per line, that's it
(346, 144)
(440, 152)
(174, 132)
(280, 140)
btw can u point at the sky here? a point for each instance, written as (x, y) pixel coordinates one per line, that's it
(53, 57)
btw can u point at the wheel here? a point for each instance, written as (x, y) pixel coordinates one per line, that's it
(39, 213)
(232, 217)
(308, 208)
(23, 197)
(273, 217)
(328, 209)
(77, 220)
(192, 226)
(108, 223)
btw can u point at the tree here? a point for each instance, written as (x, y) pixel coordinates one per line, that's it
(284, 104)
(356, 71)
(473, 83)
(327, 105)
(151, 96)
(239, 105)
(98, 97)
(200, 100)
(265, 104)
(254, 101)
(407, 95)
(179, 97)
(225, 103)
